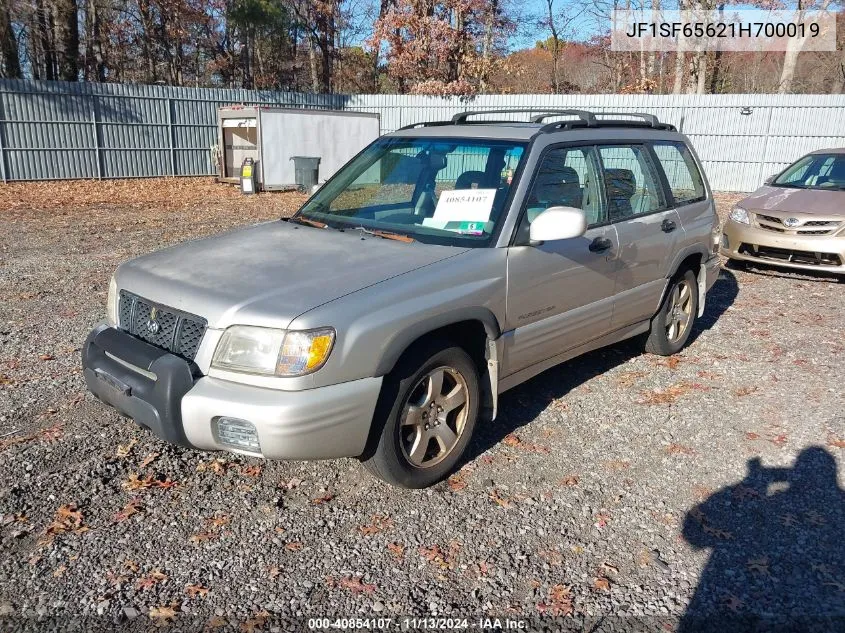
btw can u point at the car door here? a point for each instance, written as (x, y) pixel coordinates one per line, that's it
(647, 229)
(560, 293)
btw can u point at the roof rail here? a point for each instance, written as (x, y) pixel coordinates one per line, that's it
(461, 117)
(645, 120)
(585, 119)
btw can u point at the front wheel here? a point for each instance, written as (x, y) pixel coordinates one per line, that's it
(427, 415)
(672, 325)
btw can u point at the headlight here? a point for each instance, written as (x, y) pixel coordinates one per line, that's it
(111, 303)
(261, 350)
(738, 214)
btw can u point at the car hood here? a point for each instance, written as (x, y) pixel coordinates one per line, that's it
(270, 273)
(788, 200)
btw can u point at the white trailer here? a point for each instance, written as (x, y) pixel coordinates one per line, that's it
(271, 135)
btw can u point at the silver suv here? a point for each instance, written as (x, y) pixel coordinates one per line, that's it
(443, 265)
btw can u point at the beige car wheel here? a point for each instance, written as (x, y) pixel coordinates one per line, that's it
(672, 325)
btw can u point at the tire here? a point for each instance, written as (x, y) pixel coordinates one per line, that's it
(413, 422)
(669, 335)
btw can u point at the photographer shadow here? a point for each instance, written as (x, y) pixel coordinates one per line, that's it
(778, 551)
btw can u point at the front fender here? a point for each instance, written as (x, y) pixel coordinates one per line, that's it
(376, 324)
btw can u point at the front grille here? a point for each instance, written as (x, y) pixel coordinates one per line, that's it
(790, 255)
(769, 218)
(175, 331)
(811, 227)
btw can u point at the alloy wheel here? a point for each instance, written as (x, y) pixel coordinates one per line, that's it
(434, 417)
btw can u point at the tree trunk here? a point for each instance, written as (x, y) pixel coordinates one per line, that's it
(67, 39)
(838, 85)
(555, 46)
(10, 63)
(790, 63)
(487, 44)
(312, 60)
(45, 43)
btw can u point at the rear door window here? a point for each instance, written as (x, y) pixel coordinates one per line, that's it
(682, 173)
(631, 183)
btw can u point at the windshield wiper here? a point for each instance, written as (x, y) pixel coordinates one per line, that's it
(399, 237)
(315, 223)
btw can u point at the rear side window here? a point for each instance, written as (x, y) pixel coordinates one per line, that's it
(630, 181)
(681, 172)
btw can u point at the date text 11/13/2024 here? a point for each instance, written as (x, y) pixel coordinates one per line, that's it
(418, 624)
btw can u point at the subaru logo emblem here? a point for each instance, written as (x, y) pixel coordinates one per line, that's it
(791, 222)
(152, 325)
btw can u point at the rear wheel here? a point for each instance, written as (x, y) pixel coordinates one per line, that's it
(672, 325)
(426, 415)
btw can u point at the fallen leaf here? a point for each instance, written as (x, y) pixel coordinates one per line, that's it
(758, 566)
(679, 449)
(164, 613)
(216, 622)
(46, 357)
(137, 483)
(324, 499)
(498, 499)
(133, 507)
(379, 524)
(559, 602)
(511, 439)
(294, 546)
(752, 436)
(131, 565)
(601, 584)
(60, 571)
(274, 572)
(218, 521)
(151, 579)
(778, 440)
(195, 591)
(352, 583)
(201, 537)
(149, 459)
(456, 483)
(570, 481)
(252, 471)
(397, 549)
(739, 392)
(835, 442)
(68, 519)
(123, 450)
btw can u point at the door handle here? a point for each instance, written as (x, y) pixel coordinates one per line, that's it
(600, 245)
(668, 226)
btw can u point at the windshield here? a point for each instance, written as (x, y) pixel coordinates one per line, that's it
(438, 190)
(816, 171)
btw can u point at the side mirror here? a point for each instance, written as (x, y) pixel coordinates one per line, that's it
(770, 179)
(558, 223)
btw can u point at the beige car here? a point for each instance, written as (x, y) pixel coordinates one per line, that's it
(796, 220)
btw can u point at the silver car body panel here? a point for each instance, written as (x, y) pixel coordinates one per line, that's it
(308, 424)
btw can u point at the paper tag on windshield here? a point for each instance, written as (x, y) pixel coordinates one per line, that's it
(465, 205)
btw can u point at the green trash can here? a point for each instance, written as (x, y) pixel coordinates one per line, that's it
(306, 171)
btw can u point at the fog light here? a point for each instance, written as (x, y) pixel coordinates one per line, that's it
(725, 242)
(238, 434)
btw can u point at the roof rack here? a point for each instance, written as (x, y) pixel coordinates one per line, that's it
(585, 119)
(643, 120)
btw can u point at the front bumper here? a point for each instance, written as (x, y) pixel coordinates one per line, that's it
(812, 252)
(165, 394)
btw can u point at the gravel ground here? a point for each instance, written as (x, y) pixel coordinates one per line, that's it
(617, 491)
